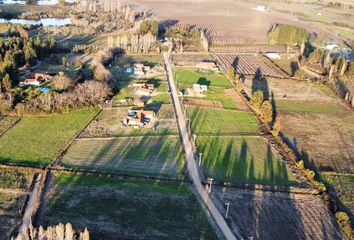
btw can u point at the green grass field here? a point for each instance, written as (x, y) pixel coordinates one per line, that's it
(242, 160)
(218, 121)
(216, 82)
(160, 155)
(311, 107)
(189, 76)
(128, 209)
(344, 186)
(37, 140)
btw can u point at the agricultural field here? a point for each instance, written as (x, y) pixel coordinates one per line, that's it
(14, 183)
(129, 209)
(343, 184)
(248, 64)
(207, 121)
(15, 10)
(10, 217)
(110, 123)
(222, 16)
(36, 140)
(289, 89)
(278, 216)
(333, 19)
(242, 160)
(327, 130)
(216, 82)
(16, 177)
(158, 155)
(6, 122)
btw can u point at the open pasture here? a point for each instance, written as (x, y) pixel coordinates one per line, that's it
(110, 123)
(242, 160)
(288, 89)
(323, 139)
(207, 121)
(128, 209)
(36, 140)
(158, 155)
(277, 216)
(189, 76)
(249, 64)
(217, 84)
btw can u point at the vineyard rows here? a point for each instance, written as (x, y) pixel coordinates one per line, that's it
(248, 64)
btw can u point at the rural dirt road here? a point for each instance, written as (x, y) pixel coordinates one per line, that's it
(32, 205)
(190, 158)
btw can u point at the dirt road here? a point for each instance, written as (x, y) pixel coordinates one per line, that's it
(189, 155)
(32, 205)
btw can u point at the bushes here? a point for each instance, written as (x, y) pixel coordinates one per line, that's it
(151, 26)
(88, 93)
(58, 232)
(257, 99)
(344, 221)
(62, 82)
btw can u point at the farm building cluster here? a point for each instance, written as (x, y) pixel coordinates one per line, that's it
(139, 118)
(138, 69)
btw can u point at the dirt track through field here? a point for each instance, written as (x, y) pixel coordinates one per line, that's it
(190, 158)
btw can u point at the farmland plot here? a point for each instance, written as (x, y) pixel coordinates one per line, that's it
(10, 217)
(36, 140)
(343, 185)
(288, 89)
(159, 155)
(216, 82)
(130, 210)
(229, 21)
(278, 216)
(16, 177)
(110, 123)
(222, 122)
(242, 160)
(248, 64)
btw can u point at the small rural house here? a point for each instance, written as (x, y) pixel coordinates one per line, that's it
(139, 118)
(198, 88)
(144, 91)
(36, 79)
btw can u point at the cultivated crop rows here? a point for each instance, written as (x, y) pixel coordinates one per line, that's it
(220, 34)
(248, 64)
(267, 215)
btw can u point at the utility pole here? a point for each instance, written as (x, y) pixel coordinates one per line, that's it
(200, 159)
(227, 209)
(210, 184)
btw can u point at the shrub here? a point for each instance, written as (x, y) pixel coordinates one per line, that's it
(320, 186)
(267, 111)
(62, 82)
(344, 221)
(300, 165)
(257, 99)
(231, 74)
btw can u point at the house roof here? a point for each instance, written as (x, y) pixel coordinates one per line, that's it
(145, 90)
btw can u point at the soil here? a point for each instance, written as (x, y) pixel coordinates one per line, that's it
(266, 215)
